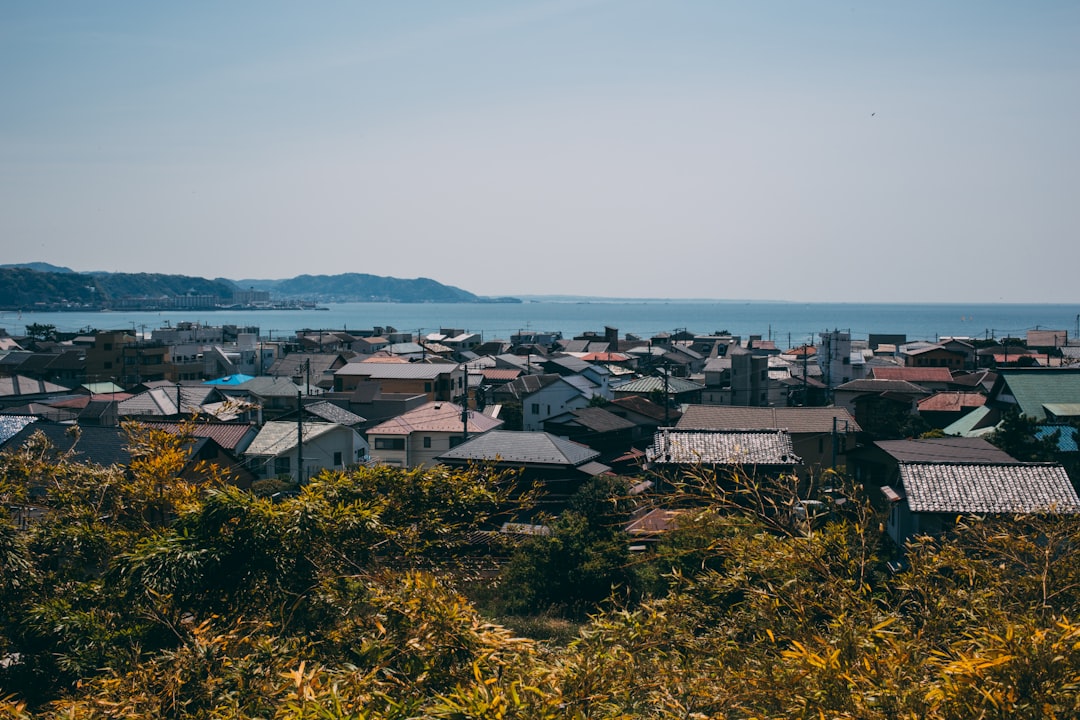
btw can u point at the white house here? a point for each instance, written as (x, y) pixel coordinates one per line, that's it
(274, 450)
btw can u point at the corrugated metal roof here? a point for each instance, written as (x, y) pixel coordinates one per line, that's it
(951, 402)
(912, 374)
(651, 384)
(983, 488)
(1034, 388)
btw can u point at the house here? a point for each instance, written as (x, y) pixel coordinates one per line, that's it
(879, 406)
(438, 381)
(230, 440)
(819, 436)
(677, 390)
(324, 446)
(597, 428)
(545, 396)
(930, 378)
(934, 356)
(417, 437)
(944, 408)
(929, 496)
(1030, 389)
(108, 446)
(561, 466)
(309, 368)
(877, 463)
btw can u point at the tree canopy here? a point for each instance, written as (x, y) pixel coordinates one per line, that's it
(137, 593)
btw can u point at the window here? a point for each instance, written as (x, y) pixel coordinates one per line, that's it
(108, 346)
(108, 365)
(389, 443)
(455, 440)
(535, 410)
(337, 459)
(427, 387)
(282, 465)
(427, 442)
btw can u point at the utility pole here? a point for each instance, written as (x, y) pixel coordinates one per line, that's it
(299, 437)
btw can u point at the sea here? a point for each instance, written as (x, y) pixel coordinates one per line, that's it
(787, 323)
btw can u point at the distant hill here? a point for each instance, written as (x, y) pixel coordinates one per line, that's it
(39, 266)
(44, 285)
(361, 287)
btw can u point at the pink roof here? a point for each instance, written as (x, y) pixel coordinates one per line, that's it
(435, 417)
(952, 402)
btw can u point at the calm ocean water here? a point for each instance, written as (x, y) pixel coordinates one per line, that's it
(787, 323)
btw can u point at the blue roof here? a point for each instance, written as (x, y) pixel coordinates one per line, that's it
(1066, 439)
(238, 379)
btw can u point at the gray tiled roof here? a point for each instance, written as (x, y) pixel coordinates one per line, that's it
(722, 447)
(988, 488)
(333, 413)
(522, 447)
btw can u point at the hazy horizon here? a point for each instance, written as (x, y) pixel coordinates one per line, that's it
(826, 152)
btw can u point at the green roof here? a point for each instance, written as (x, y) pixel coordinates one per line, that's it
(1035, 388)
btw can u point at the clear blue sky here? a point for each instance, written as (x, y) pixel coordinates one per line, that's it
(789, 150)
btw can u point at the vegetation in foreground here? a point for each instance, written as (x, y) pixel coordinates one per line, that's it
(141, 595)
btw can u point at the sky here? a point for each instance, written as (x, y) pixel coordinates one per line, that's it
(773, 149)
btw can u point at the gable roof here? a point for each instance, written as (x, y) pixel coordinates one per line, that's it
(397, 371)
(333, 413)
(99, 445)
(524, 448)
(444, 417)
(793, 419)
(722, 447)
(276, 437)
(645, 385)
(988, 488)
(231, 436)
(946, 449)
(19, 385)
(896, 387)
(595, 419)
(911, 374)
(1034, 387)
(953, 401)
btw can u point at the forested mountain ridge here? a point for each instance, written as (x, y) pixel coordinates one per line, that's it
(41, 285)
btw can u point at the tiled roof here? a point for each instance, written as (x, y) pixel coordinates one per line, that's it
(988, 488)
(228, 435)
(946, 449)
(434, 417)
(500, 374)
(102, 446)
(525, 448)
(793, 419)
(333, 413)
(1066, 436)
(10, 425)
(722, 447)
(912, 374)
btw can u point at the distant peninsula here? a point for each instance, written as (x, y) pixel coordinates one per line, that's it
(42, 286)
